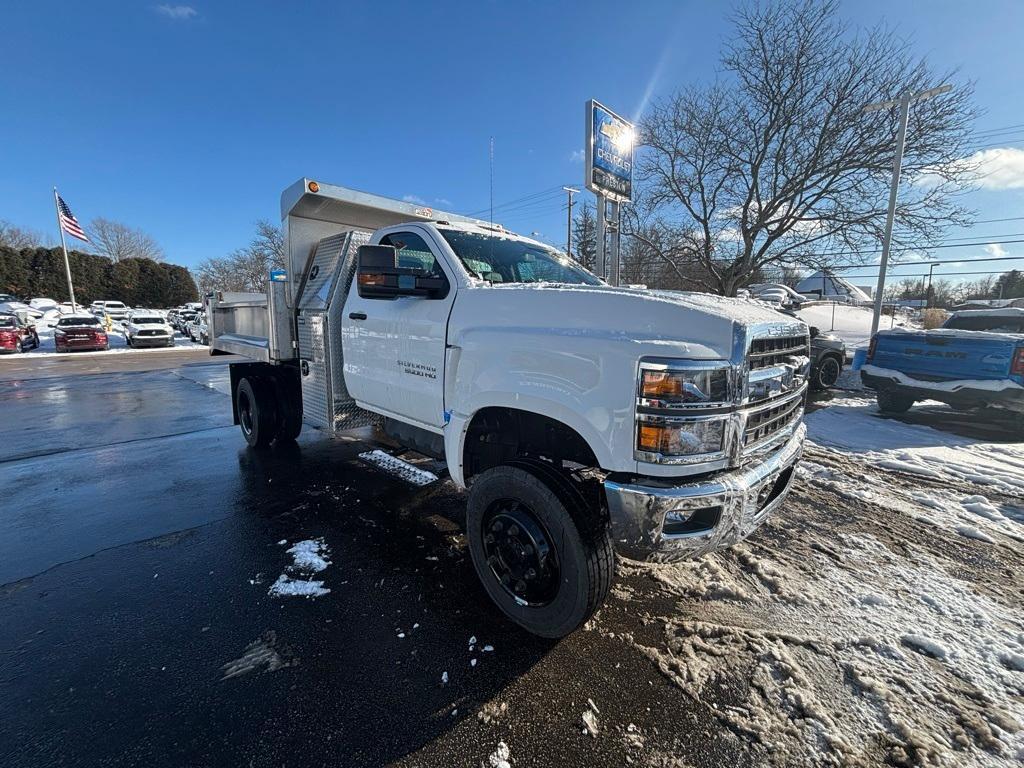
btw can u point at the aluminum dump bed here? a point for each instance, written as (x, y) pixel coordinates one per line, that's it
(262, 326)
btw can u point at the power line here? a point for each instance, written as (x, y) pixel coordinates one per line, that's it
(1004, 129)
(918, 248)
(525, 198)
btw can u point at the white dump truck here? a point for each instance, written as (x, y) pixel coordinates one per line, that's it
(582, 418)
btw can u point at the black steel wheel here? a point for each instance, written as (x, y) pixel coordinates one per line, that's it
(542, 554)
(520, 552)
(826, 373)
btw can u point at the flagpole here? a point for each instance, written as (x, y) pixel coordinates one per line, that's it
(64, 245)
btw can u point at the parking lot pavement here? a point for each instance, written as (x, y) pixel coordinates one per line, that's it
(876, 619)
(21, 367)
(136, 556)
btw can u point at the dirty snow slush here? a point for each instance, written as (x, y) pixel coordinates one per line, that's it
(862, 625)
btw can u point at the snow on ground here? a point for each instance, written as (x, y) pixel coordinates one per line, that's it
(851, 324)
(878, 618)
(308, 557)
(118, 345)
(852, 425)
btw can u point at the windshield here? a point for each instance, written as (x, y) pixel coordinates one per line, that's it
(6, 322)
(993, 323)
(148, 320)
(506, 260)
(64, 322)
(114, 305)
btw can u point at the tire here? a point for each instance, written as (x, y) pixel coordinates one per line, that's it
(826, 373)
(528, 505)
(890, 401)
(257, 415)
(290, 409)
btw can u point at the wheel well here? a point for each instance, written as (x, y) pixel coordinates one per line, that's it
(498, 435)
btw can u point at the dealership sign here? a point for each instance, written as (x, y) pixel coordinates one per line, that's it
(609, 153)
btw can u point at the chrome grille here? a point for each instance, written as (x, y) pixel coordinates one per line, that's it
(767, 421)
(774, 350)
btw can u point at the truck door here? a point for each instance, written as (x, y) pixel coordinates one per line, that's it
(395, 348)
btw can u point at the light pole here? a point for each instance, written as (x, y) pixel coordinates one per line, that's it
(904, 103)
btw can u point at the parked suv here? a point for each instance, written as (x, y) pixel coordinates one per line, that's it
(145, 328)
(197, 330)
(115, 309)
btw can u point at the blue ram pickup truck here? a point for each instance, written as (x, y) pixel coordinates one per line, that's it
(975, 360)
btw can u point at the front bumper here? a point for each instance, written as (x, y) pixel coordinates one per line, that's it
(732, 504)
(152, 341)
(960, 393)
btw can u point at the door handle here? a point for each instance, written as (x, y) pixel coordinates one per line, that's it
(356, 315)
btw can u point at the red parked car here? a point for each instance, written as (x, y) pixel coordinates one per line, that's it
(17, 335)
(80, 332)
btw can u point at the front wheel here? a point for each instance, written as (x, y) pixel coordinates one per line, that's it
(893, 402)
(826, 373)
(543, 557)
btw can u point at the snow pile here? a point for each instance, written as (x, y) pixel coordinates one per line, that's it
(501, 757)
(309, 556)
(852, 427)
(868, 657)
(851, 324)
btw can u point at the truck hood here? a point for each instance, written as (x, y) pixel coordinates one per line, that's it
(664, 323)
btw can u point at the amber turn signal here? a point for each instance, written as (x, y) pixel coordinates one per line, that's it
(661, 384)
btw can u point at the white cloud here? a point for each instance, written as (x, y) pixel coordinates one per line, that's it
(414, 199)
(443, 201)
(1000, 168)
(995, 249)
(177, 12)
(576, 156)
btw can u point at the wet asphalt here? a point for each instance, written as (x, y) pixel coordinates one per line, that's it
(138, 539)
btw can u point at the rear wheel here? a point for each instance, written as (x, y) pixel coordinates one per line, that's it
(826, 373)
(890, 401)
(542, 555)
(257, 415)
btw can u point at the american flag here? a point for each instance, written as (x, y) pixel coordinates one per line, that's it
(68, 222)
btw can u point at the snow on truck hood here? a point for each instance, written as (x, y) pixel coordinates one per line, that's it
(663, 323)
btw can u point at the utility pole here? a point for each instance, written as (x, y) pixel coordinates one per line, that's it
(928, 293)
(904, 103)
(568, 224)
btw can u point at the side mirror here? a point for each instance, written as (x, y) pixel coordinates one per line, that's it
(815, 332)
(378, 276)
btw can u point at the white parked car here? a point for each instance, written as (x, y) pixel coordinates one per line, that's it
(116, 309)
(145, 328)
(43, 305)
(776, 293)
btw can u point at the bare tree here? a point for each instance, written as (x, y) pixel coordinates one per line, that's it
(118, 241)
(245, 269)
(777, 163)
(16, 237)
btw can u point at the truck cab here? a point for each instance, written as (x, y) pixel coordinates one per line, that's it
(582, 418)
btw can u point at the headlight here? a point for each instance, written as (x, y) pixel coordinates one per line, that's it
(693, 387)
(685, 438)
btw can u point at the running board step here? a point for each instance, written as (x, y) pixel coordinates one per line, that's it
(396, 467)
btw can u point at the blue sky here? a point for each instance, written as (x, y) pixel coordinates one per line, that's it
(188, 119)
